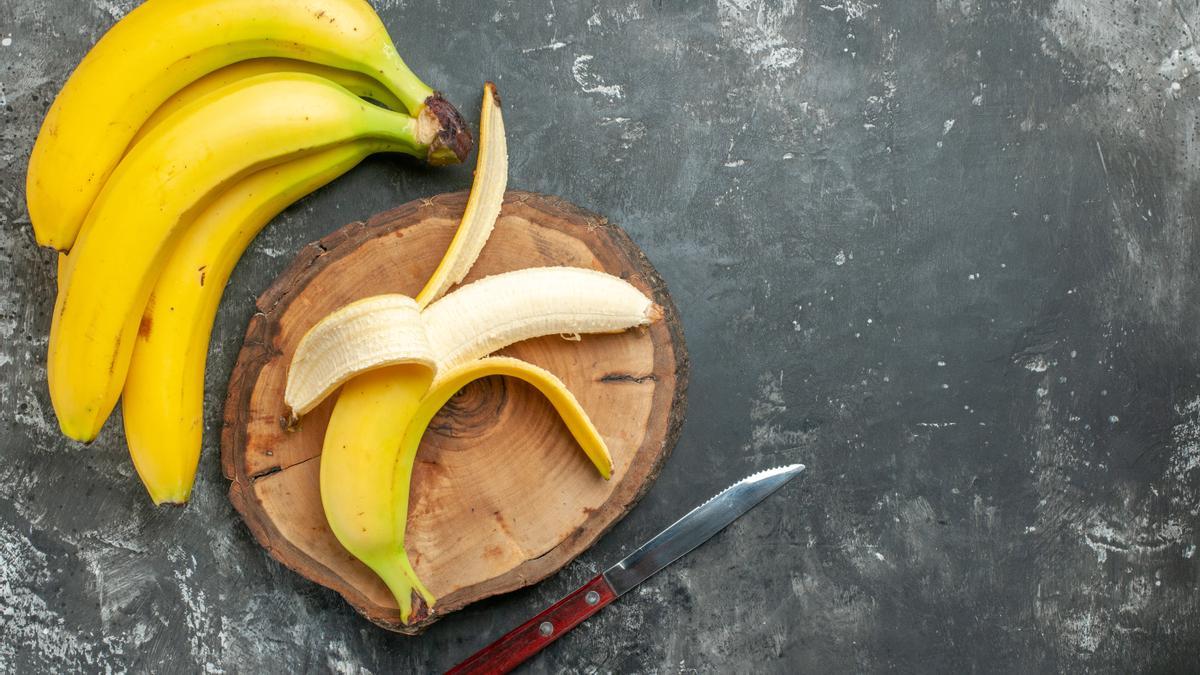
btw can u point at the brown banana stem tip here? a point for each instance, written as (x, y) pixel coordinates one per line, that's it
(453, 141)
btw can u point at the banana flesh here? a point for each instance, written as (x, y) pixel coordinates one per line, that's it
(503, 309)
(163, 397)
(165, 45)
(149, 200)
(370, 333)
(468, 324)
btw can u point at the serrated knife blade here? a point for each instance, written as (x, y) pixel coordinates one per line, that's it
(693, 529)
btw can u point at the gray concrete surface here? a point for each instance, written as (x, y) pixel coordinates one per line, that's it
(944, 252)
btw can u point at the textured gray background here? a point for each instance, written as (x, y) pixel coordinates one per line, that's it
(943, 252)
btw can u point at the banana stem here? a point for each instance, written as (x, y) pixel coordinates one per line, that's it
(442, 127)
(402, 82)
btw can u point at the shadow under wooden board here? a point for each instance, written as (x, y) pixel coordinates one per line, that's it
(502, 497)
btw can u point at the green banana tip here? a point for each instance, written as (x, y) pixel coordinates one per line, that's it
(453, 141)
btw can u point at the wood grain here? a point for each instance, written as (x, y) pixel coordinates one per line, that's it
(501, 496)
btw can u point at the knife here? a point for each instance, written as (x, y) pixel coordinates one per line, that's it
(687, 533)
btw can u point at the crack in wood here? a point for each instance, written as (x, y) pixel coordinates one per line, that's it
(626, 377)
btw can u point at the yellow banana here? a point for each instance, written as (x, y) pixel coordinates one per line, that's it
(165, 45)
(183, 165)
(163, 398)
(356, 83)
(372, 441)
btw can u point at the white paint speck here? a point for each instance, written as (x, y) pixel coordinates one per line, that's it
(6, 42)
(590, 83)
(947, 126)
(1189, 551)
(553, 46)
(840, 258)
(735, 163)
(1037, 364)
(1113, 419)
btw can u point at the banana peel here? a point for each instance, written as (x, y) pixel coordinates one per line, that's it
(391, 408)
(483, 204)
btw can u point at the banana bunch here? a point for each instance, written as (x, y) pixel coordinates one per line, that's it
(398, 360)
(186, 129)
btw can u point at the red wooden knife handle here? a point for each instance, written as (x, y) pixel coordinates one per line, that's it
(532, 636)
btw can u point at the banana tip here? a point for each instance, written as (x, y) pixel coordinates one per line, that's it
(82, 435)
(654, 313)
(490, 88)
(422, 609)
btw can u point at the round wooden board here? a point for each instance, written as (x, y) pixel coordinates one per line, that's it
(501, 495)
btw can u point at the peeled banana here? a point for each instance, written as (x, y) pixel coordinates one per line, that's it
(163, 397)
(145, 206)
(398, 360)
(388, 380)
(165, 45)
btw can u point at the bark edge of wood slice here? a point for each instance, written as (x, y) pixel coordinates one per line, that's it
(501, 496)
